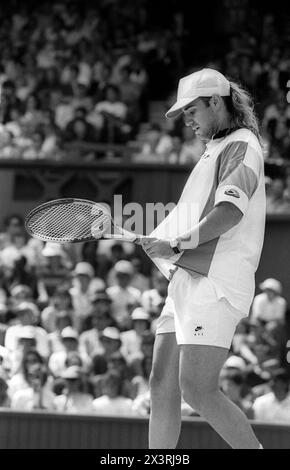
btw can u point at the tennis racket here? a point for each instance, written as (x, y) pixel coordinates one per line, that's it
(74, 220)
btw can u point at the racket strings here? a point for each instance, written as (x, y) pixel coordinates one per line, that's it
(69, 222)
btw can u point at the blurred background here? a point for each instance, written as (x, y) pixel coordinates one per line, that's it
(84, 87)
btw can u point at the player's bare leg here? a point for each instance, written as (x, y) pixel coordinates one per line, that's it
(200, 367)
(165, 416)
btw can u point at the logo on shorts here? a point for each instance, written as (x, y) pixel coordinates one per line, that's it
(232, 192)
(198, 330)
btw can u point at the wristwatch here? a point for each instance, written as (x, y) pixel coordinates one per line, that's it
(174, 244)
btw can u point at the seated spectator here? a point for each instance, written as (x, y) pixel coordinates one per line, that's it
(112, 254)
(9, 145)
(9, 100)
(116, 362)
(60, 301)
(27, 315)
(19, 381)
(26, 341)
(234, 364)
(3, 290)
(90, 340)
(3, 322)
(20, 293)
(14, 227)
(153, 300)
(80, 130)
(70, 341)
(111, 342)
(276, 114)
(141, 371)
(24, 276)
(114, 112)
(124, 297)
(36, 396)
(269, 305)
(141, 363)
(192, 148)
(80, 96)
(74, 358)
(35, 150)
(5, 401)
(256, 374)
(147, 344)
(85, 284)
(231, 383)
(53, 147)
(156, 146)
(100, 80)
(141, 404)
(274, 406)
(33, 115)
(69, 79)
(174, 153)
(73, 399)
(55, 270)
(130, 93)
(286, 193)
(112, 402)
(64, 112)
(241, 340)
(109, 252)
(63, 319)
(269, 367)
(131, 339)
(275, 201)
(139, 280)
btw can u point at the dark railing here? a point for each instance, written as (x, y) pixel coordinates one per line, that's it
(38, 430)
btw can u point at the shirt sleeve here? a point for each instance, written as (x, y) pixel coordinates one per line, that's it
(238, 174)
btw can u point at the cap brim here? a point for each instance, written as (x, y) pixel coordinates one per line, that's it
(176, 109)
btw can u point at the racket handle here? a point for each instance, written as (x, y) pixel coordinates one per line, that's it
(124, 236)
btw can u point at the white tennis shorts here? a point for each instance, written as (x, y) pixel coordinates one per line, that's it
(195, 313)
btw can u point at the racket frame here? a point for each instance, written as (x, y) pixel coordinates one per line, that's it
(127, 236)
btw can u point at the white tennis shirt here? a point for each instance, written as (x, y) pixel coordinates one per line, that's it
(231, 170)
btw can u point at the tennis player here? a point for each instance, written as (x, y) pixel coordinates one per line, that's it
(211, 265)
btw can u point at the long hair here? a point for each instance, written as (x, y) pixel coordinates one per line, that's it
(240, 105)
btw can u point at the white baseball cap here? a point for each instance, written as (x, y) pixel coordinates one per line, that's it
(26, 332)
(72, 372)
(70, 333)
(205, 82)
(140, 313)
(124, 266)
(111, 332)
(85, 269)
(52, 249)
(271, 284)
(235, 362)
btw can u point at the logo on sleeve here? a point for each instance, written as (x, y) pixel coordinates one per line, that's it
(232, 192)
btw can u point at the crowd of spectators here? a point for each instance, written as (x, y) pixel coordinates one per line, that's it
(78, 72)
(77, 327)
(85, 72)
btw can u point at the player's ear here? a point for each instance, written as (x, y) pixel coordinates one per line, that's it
(216, 102)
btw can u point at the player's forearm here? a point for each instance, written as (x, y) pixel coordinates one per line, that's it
(221, 219)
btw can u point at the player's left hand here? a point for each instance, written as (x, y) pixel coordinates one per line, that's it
(156, 248)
